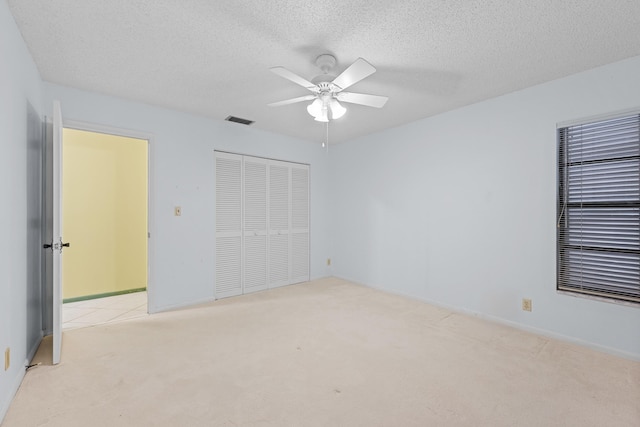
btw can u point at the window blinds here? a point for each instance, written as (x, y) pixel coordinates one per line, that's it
(599, 208)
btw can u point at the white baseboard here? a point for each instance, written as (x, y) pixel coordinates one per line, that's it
(15, 384)
(170, 307)
(32, 351)
(502, 321)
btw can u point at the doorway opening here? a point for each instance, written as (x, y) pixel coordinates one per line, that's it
(105, 187)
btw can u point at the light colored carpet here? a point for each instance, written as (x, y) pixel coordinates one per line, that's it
(324, 353)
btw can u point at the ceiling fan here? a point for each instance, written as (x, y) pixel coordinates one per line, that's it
(328, 90)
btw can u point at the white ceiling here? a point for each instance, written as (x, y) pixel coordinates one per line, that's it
(212, 58)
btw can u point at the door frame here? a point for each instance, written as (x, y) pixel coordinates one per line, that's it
(128, 133)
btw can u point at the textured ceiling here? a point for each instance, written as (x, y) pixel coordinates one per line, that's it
(212, 58)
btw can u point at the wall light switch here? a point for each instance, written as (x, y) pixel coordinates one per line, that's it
(7, 358)
(177, 211)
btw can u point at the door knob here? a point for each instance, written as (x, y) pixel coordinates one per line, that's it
(56, 246)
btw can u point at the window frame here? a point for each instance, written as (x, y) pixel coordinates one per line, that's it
(563, 267)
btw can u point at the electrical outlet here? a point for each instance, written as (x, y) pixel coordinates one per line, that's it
(328, 261)
(526, 304)
(7, 358)
(177, 211)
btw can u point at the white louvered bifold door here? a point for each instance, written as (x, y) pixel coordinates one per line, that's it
(228, 262)
(279, 223)
(255, 224)
(299, 223)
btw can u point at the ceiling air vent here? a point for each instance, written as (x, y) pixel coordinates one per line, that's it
(239, 120)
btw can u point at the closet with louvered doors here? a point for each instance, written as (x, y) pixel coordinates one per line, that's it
(262, 224)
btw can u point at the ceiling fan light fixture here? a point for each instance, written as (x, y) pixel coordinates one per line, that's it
(320, 107)
(337, 110)
(319, 110)
(315, 108)
(323, 116)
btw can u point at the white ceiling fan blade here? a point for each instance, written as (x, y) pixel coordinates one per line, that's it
(283, 72)
(292, 101)
(362, 99)
(352, 75)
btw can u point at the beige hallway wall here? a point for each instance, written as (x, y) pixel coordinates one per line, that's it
(105, 213)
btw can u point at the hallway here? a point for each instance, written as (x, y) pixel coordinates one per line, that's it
(82, 314)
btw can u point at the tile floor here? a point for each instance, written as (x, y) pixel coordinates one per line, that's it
(81, 314)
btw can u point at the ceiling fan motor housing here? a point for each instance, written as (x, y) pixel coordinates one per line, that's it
(326, 62)
(323, 81)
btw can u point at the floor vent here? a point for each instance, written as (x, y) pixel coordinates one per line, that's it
(238, 120)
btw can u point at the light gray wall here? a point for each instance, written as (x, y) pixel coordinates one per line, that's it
(20, 214)
(460, 209)
(182, 159)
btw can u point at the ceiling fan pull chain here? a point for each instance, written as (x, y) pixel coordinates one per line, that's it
(326, 144)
